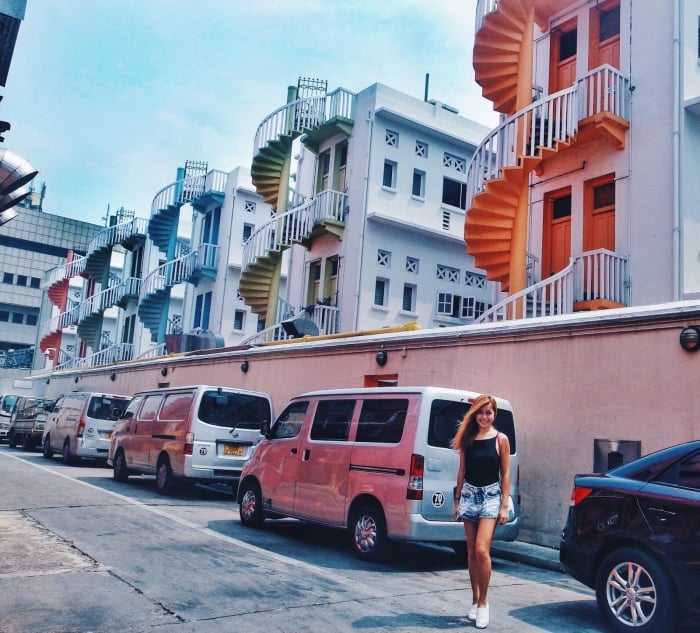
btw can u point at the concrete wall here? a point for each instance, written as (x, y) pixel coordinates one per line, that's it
(616, 375)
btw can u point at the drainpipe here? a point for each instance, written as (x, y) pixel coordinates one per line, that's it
(370, 127)
(677, 105)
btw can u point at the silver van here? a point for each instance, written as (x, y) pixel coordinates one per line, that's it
(374, 461)
(7, 406)
(81, 425)
(197, 433)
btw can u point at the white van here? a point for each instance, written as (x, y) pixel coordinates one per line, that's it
(197, 433)
(80, 425)
(376, 461)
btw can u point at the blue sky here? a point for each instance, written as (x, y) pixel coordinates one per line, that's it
(107, 98)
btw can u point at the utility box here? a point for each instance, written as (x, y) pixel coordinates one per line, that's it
(608, 454)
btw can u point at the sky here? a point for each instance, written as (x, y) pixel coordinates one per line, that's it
(108, 98)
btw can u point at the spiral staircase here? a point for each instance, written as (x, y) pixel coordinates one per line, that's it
(314, 119)
(530, 134)
(183, 264)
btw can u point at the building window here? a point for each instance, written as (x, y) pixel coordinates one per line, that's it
(418, 187)
(4, 316)
(473, 309)
(474, 280)
(446, 219)
(567, 45)
(412, 265)
(7, 278)
(444, 304)
(447, 273)
(454, 193)
(261, 324)
(384, 258)
(35, 282)
(21, 280)
(31, 319)
(609, 24)
(249, 206)
(455, 162)
(389, 176)
(392, 138)
(238, 319)
(421, 149)
(381, 291)
(247, 231)
(17, 318)
(408, 301)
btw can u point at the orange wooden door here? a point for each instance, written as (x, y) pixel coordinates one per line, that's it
(562, 71)
(599, 219)
(556, 247)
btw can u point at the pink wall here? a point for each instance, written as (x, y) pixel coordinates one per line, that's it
(619, 375)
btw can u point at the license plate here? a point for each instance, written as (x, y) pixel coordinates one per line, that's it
(235, 450)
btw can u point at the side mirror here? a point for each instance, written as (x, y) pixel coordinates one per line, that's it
(265, 427)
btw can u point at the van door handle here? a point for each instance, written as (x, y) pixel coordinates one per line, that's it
(305, 455)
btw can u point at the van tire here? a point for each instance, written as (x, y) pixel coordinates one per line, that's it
(165, 482)
(46, 448)
(11, 440)
(27, 443)
(66, 457)
(120, 472)
(250, 509)
(368, 533)
(460, 549)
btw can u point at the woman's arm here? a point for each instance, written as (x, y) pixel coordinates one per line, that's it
(504, 452)
(460, 481)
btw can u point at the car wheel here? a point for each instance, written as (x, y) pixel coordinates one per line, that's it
(120, 471)
(251, 507)
(46, 447)
(66, 457)
(165, 482)
(634, 593)
(368, 533)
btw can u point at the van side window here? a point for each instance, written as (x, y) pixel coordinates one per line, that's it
(382, 420)
(332, 420)
(445, 416)
(289, 422)
(176, 407)
(150, 407)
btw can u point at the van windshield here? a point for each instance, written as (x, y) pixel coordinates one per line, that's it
(234, 410)
(445, 416)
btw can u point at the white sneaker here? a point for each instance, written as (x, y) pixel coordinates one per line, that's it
(482, 617)
(472, 613)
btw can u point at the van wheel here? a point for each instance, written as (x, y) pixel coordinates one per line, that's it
(11, 440)
(120, 472)
(165, 482)
(368, 533)
(46, 447)
(27, 443)
(66, 457)
(460, 549)
(250, 509)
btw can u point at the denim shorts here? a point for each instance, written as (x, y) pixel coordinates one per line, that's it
(479, 502)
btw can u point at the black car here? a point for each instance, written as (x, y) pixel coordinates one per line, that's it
(633, 535)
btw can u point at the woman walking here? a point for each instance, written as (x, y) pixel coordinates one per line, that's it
(481, 495)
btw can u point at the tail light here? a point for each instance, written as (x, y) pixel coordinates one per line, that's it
(81, 428)
(415, 478)
(579, 493)
(189, 443)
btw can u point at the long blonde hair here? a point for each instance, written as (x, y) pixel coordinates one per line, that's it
(467, 428)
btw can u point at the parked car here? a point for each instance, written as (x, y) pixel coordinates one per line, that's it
(27, 421)
(197, 433)
(374, 461)
(7, 406)
(633, 535)
(81, 424)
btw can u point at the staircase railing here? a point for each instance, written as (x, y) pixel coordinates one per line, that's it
(546, 122)
(326, 318)
(112, 354)
(294, 226)
(118, 233)
(294, 118)
(64, 271)
(599, 274)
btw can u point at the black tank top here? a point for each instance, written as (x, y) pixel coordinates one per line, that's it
(482, 465)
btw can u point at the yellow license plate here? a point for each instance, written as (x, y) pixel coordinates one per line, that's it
(233, 449)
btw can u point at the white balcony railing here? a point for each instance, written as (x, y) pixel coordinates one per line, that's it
(599, 274)
(294, 226)
(326, 319)
(545, 123)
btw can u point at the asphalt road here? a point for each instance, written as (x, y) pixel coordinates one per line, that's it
(81, 553)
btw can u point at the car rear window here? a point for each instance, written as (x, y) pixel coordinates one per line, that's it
(103, 407)
(234, 410)
(445, 416)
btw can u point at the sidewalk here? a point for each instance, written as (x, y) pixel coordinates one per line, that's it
(527, 553)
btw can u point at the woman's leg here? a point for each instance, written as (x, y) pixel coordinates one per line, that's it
(480, 534)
